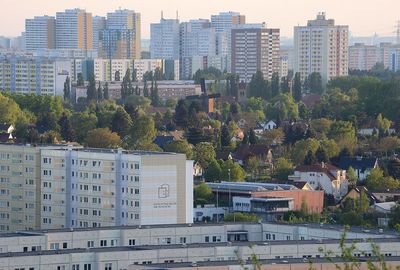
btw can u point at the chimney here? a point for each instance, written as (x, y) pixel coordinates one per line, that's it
(322, 164)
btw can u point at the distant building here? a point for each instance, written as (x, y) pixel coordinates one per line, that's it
(255, 48)
(169, 68)
(40, 33)
(74, 29)
(362, 165)
(105, 69)
(25, 74)
(326, 177)
(223, 23)
(394, 59)
(121, 37)
(363, 57)
(165, 39)
(321, 46)
(5, 43)
(98, 24)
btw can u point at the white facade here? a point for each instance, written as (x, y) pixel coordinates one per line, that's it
(146, 65)
(165, 41)
(40, 33)
(105, 69)
(363, 57)
(332, 181)
(321, 47)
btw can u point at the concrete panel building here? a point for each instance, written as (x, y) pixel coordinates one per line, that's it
(255, 48)
(165, 40)
(67, 187)
(105, 69)
(74, 29)
(363, 57)
(321, 46)
(40, 33)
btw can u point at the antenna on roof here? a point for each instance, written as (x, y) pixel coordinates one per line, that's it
(177, 16)
(162, 14)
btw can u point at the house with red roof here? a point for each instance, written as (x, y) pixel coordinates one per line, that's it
(323, 176)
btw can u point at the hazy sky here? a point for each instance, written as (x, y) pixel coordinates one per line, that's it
(365, 17)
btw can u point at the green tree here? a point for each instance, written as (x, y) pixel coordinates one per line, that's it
(91, 93)
(213, 172)
(182, 114)
(66, 131)
(344, 133)
(301, 149)
(225, 136)
(297, 87)
(252, 166)
(282, 107)
(82, 123)
(202, 194)
(275, 84)
(67, 89)
(382, 123)
(142, 133)
(180, 146)
(80, 81)
(99, 95)
(102, 138)
(321, 125)
(155, 99)
(121, 122)
(10, 112)
(283, 168)
(252, 137)
(309, 159)
(117, 76)
(106, 94)
(377, 180)
(46, 121)
(321, 155)
(285, 85)
(352, 176)
(258, 87)
(330, 147)
(204, 153)
(315, 81)
(232, 171)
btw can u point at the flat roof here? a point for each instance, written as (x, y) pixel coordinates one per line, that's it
(190, 246)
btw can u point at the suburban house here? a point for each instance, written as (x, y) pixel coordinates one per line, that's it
(371, 128)
(386, 195)
(262, 127)
(355, 194)
(326, 177)
(6, 131)
(362, 165)
(261, 151)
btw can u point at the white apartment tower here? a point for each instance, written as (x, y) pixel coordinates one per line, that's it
(255, 48)
(164, 42)
(223, 24)
(53, 187)
(40, 33)
(198, 40)
(321, 46)
(74, 29)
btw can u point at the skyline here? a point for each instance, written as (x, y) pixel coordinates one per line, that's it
(359, 15)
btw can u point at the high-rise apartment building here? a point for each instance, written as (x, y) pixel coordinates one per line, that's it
(363, 57)
(223, 24)
(25, 74)
(255, 48)
(98, 24)
(40, 33)
(62, 186)
(121, 38)
(321, 46)
(74, 29)
(197, 39)
(165, 40)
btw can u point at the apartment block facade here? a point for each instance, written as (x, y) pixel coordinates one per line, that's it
(363, 57)
(255, 48)
(25, 74)
(105, 69)
(74, 29)
(165, 40)
(321, 46)
(67, 187)
(40, 33)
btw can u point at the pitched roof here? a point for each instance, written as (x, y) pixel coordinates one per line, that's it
(360, 163)
(161, 141)
(323, 168)
(245, 151)
(4, 127)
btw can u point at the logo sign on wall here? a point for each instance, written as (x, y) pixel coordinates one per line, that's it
(163, 191)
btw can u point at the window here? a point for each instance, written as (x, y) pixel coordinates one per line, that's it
(207, 239)
(182, 240)
(90, 244)
(54, 246)
(87, 266)
(65, 245)
(132, 242)
(103, 243)
(75, 267)
(136, 166)
(268, 236)
(108, 266)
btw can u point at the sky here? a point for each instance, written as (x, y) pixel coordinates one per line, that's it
(365, 17)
